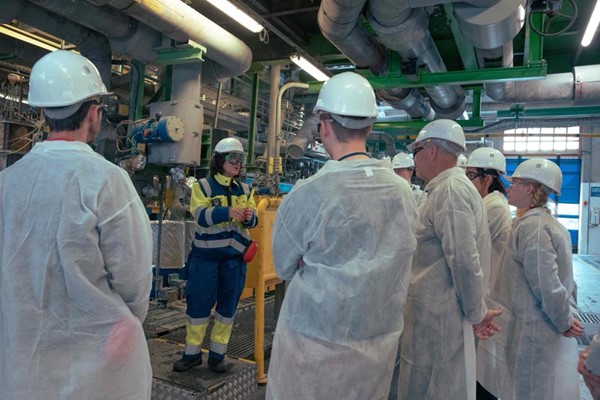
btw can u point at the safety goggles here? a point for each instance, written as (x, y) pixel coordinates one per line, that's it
(235, 158)
(473, 175)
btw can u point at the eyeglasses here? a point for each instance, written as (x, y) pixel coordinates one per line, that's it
(235, 158)
(415, 151)
(472, 175)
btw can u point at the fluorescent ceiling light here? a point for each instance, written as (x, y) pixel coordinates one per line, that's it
(21, 35)
(309, 67)
(592, 26)
(241, 17)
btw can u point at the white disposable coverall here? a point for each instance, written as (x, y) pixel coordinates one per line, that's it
(351, 226)
(75, 276)
(529, 359)
(446, 292)
(419, 195)
(499, 221)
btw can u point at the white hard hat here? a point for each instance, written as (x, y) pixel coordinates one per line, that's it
(402, 160)
(63, 78)
(229, 145)
(444, 129)
(461, 161)
(347, 94)
(540, 170)
(487, 158)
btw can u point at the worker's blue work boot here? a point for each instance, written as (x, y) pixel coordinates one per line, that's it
(217, 365)
(187, 362)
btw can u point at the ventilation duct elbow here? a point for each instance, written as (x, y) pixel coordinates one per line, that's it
(340, 24)
(305, 136)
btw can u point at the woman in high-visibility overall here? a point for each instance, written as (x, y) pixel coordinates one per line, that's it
(224, 209)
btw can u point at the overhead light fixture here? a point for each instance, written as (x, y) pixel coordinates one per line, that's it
(241, 17)
(309, 67)
(590, 31)
(24, 36)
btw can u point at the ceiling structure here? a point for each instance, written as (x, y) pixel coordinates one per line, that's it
(292, 27)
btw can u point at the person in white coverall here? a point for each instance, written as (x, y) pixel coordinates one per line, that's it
(344, 238)
(75, 254)
(484, 167)
(446, 294)
(404, 167)
(535, 355)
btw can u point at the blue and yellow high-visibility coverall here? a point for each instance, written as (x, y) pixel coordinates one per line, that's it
(215, 267)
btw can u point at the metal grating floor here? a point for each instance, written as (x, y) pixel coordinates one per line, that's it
(591, 323)
(241, 344)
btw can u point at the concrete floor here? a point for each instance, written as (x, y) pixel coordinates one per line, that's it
(587, 275)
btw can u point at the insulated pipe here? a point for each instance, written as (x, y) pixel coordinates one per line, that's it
(339, 23)
(280, 93)
(582, 87)
(498, 90)
(108, 21)
(21, 50)
(409, 100)
(272, 145)
(490, 27)
(405, 30)
(126, 35)
(181, 22)
(92, 44)
(305, 136)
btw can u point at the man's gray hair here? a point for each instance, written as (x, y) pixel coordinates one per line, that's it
(449, 147)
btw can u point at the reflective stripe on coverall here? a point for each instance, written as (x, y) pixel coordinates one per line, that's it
(215, 267)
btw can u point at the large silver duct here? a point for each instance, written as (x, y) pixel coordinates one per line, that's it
(405, 30)
(580, 87)
(339, 22)
(180, 22)
(491, 31)
(126, 35)
(409, 100)
(92, 44)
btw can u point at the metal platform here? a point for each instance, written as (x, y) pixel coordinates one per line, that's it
(241, 344)
(165, 330)
(199, 383)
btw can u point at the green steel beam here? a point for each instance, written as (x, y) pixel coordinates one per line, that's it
(536, 70)
(466, 51)
(137, 103)
(551, 112)
(476, 107)
(188, 53)
(534, 43)
(418, 124)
